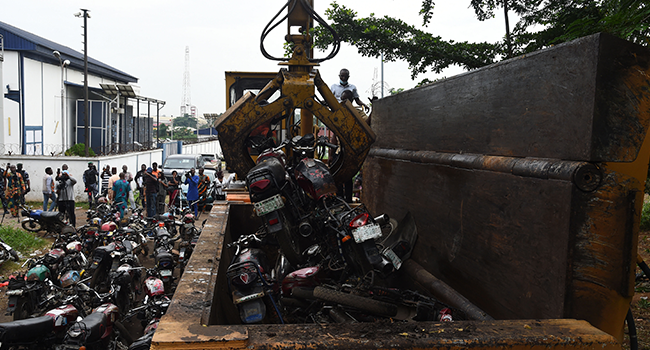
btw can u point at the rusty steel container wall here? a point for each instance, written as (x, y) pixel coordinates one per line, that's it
(201, 315)
(575, 101)
(514, 237)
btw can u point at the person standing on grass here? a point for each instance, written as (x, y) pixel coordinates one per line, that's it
(66, 197)
(106, 175)
(3, 186)
(14, 189)
(121, 189)
(48, 189)
(26, 183)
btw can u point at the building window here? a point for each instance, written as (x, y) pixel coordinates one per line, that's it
(34, 140)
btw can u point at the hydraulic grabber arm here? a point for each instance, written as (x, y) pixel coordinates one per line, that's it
(297, 85)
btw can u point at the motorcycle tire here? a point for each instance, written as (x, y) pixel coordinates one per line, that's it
(289, 244)
(372, 306)
(23, 309)
(31, 225)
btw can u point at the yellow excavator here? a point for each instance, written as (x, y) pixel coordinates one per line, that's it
(297, 84)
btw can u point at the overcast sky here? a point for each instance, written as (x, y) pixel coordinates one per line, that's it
(147, 39)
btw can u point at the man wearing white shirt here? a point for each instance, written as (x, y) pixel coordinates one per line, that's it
(221, 184)
(337, 89)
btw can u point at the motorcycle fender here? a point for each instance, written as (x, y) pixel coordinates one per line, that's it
(274, 221)
(181, 255)
(27, 220)
(371, 252)
(13, 301)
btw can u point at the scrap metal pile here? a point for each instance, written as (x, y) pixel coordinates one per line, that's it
(336, 262)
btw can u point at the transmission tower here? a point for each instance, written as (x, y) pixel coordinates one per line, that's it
(376, 87)
(186, 104)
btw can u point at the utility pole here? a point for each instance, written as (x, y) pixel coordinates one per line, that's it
(86, 15)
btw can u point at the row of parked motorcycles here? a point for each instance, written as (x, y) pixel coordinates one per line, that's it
(334, 261)
(90, 288)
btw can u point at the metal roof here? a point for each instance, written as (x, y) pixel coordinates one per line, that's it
(38, 48)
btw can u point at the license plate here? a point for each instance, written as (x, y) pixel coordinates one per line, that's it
(190, 225)
(364, 233)
(390, 254)
(166, 273)
(268, 205)
(248, 297)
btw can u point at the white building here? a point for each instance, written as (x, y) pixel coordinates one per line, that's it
(42, 102)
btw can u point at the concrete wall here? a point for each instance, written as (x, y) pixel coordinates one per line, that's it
(35, 167)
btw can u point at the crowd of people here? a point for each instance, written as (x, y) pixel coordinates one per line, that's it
(155, 191)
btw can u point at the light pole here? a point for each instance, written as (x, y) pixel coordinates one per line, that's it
(63, 64)
(85, 15)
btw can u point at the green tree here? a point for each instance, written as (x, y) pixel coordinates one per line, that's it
(184, 134)
(185, 121)
(398, 40)
(542, 23)
(164, 130)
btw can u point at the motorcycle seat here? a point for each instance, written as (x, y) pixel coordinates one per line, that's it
(25, 330)
(93, 324)
(107, 248)
(128, 230)
(128, 247)
(50, 214)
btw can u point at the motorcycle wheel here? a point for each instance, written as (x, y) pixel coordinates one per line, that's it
(288, 243)
(31, 225)
(372, 306)
(23, 309)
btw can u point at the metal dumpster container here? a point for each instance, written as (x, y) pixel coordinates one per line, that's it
(525, 179)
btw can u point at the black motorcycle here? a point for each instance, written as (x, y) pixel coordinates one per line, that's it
(249, 281)
(39, 220)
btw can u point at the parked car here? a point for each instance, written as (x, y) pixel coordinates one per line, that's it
(182, 163)
(212, 161)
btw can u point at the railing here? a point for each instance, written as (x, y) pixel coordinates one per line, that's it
(121, 148)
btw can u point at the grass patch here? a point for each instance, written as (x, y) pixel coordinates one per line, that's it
(39, 205)
(644, 303)
(21, 240)
(644, 225)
